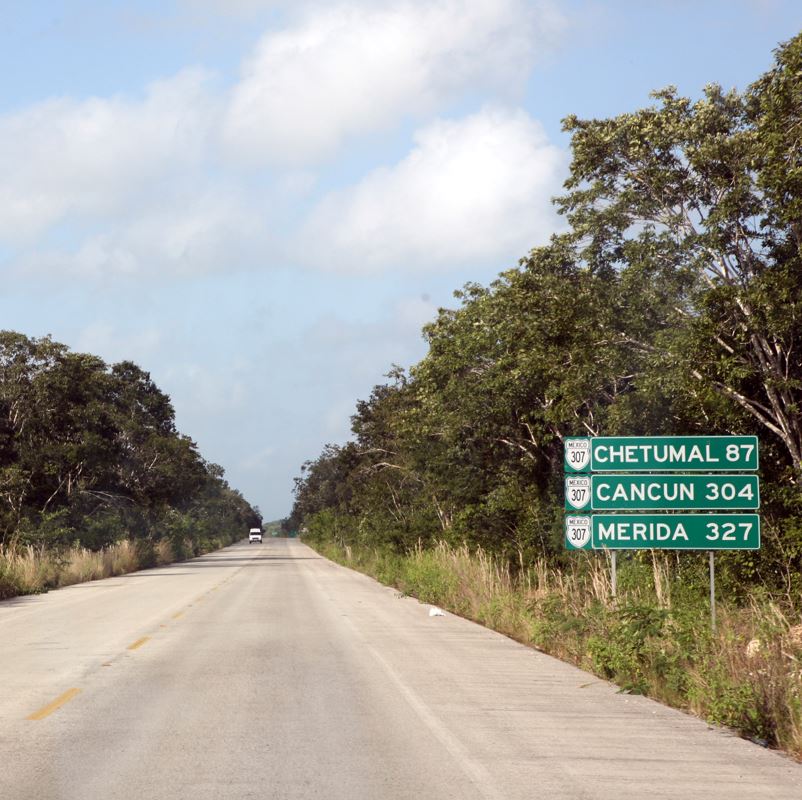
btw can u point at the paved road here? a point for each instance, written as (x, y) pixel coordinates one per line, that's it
(268, 672)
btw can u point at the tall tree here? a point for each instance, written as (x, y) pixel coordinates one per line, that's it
(716, 185)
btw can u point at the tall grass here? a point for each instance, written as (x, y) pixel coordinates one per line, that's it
(29, 570)
(746, 675)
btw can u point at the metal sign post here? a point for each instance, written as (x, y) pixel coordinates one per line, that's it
(614, 572)
(712, 561)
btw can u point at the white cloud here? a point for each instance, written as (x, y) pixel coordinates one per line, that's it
(89, 158)
(102, 188)
(353, 68)
(475, 190)
(178, 234)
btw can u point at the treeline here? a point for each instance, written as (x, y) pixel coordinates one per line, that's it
(90, 456)
(671, 305)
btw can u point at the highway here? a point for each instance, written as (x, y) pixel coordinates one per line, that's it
(265, 671)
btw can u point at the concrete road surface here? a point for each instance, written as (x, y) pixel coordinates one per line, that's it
(265, 671)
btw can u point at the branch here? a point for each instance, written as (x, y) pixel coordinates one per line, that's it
(757, 410)
(516, 444)
(52, 496)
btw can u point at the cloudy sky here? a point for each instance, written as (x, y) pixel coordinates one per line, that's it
(261, 201)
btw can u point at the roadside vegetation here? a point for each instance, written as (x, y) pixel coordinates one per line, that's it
(672, 305)
(95, 479)
(654, 638)
(26, 569)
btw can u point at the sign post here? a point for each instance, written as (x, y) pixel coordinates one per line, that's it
(712, 563)
(614, 573)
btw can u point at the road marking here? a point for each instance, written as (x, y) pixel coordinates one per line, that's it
(47, 710)
(138, 643)
(178, 615)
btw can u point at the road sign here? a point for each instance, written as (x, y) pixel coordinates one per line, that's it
(675, 531)
(577, 492)
(673, 453)
(577, 453)
(661, 492)
(578, 533)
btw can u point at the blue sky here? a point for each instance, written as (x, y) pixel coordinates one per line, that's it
(261, 202)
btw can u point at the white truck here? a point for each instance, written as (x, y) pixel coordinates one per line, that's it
(255, 535)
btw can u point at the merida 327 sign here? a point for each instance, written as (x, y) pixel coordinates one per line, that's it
(663, 531)
(661, 453)
(677, 531)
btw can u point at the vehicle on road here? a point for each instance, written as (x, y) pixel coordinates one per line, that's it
(255, 535)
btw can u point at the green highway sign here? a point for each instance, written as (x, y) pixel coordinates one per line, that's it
(661, 492)
(675, 531)
(578, 533)
(661, 454)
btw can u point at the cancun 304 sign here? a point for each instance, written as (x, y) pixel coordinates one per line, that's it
(660, 492)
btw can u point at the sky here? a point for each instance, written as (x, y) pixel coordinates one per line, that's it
(262, 202)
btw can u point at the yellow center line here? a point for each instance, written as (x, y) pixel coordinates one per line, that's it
(138, 643)
(56, 704)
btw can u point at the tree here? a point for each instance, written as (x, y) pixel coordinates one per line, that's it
(672, 305)
(91, 453)
(711, 190)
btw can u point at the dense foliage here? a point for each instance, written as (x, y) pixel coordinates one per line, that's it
(90, 453)
(673, 305)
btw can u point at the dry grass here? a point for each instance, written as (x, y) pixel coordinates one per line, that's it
(25, 570)
(29, 570)
(165, 554)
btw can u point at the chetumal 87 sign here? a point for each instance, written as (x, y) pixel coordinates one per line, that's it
(661, 454)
